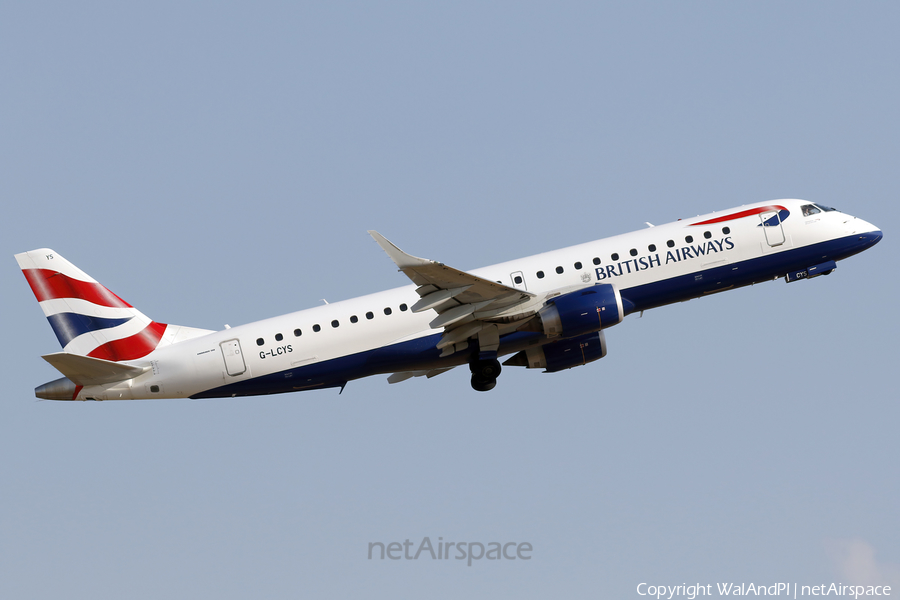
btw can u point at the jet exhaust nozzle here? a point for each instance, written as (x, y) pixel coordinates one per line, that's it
(58, 389)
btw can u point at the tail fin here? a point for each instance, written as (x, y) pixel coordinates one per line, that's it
(87, 318)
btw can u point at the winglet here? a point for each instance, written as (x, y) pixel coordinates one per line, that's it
(400, 258)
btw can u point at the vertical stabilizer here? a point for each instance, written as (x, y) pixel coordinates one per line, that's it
(87, 318)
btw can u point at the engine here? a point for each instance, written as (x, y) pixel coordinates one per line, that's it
(564, 354)
(581, 312)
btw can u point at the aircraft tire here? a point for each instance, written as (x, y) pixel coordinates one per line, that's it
(484, 374)
(483, 385)
(485, 369)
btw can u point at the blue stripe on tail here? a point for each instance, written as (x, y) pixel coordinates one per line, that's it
(68, 326)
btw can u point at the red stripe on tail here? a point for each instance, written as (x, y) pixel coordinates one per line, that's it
(139, 345)
(48, 285)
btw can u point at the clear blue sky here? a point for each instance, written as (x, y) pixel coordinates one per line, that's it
(220, 163)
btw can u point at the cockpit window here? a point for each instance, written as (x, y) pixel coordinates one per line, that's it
(809, 209)
(826, 208)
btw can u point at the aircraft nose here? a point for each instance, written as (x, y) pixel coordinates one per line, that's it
(872, 237)
(869, 234)
(867, 239)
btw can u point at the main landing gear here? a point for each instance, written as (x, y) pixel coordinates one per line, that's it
(484, 374)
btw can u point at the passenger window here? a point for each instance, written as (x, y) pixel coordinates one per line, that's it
(615, 256)
(317, 328)
(670, 244)
(297, 333)
(578, 266)
(633, 252)
(518, 279)
(540, 274)
(369, 315)
(707, 234)
(260, 341)
(726, 230)
(278, 337)
(354, 319)
(652, 247)
(596, 260)
(559, 270)
(689, 239)
(335, 323)
(403, 308)
(387, 310)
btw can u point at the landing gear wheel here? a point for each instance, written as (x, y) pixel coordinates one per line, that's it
(480, 385)
(484, 374)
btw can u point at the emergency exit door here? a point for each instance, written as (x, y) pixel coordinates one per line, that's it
(518, 280)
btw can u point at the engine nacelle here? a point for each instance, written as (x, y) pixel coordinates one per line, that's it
(584, 311)
(564, 354)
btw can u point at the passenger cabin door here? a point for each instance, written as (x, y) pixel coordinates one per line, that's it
(234, 359)
(771, 224)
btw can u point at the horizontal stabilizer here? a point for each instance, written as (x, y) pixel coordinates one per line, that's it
(84, 370)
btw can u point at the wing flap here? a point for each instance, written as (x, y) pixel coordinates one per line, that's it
(436, 298)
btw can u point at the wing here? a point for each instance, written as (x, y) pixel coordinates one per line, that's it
(466, 305)
(404, 375)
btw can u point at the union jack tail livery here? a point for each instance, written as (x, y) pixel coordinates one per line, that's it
(87, 318)
(94, 326)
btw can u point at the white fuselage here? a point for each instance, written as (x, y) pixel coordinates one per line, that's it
(328, 345)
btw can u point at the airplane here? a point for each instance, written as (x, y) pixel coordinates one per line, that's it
(547, 311)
